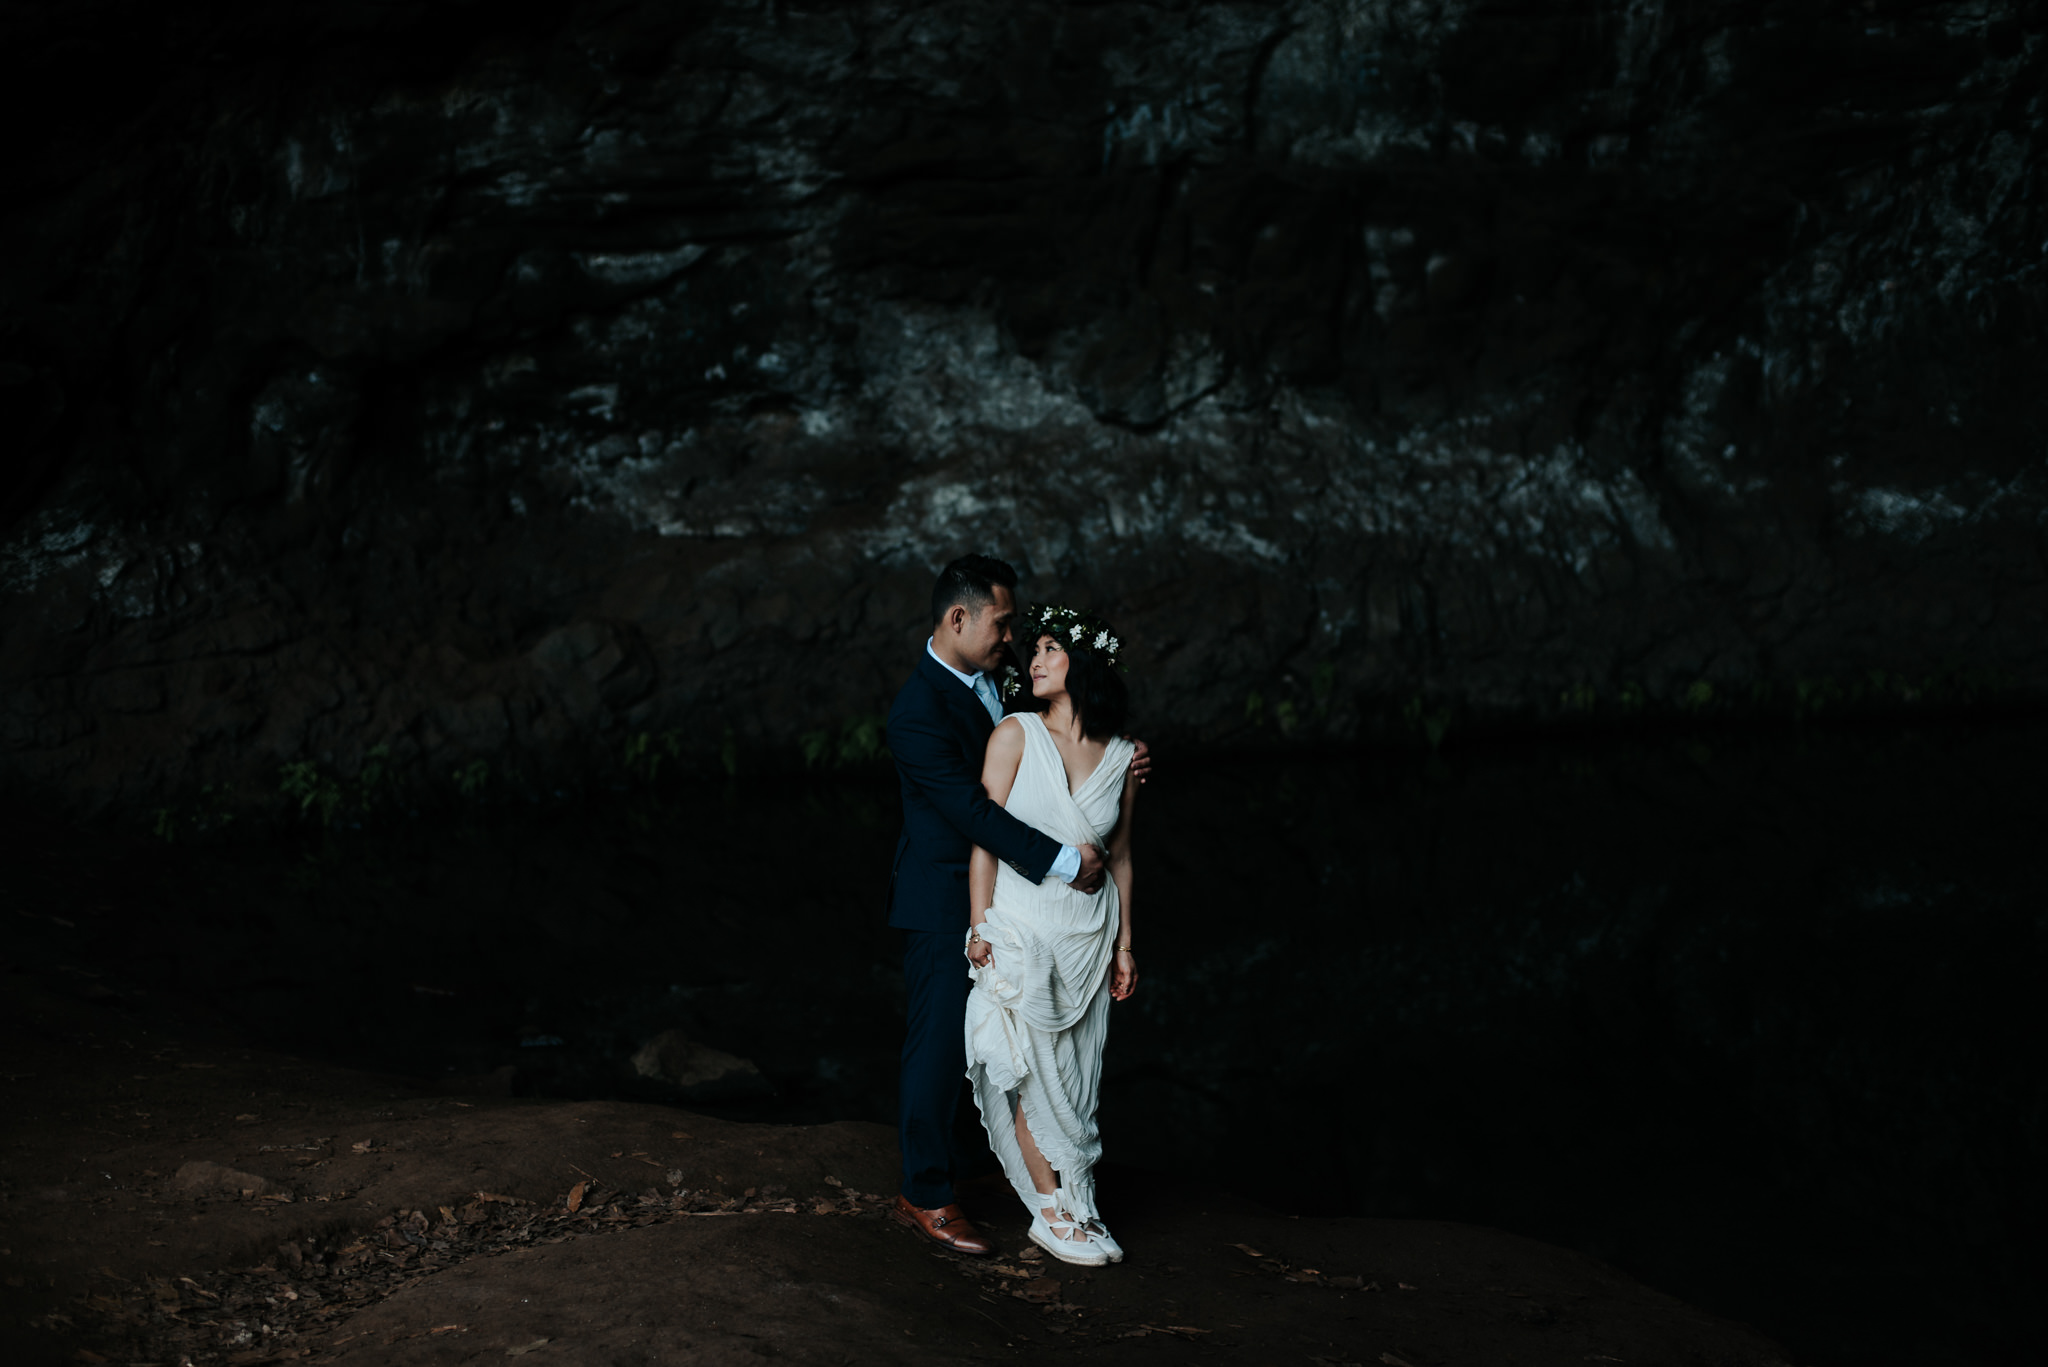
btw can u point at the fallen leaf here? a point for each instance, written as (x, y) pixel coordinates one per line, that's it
(493, 1196)
(523, 1350)
(1404, 1286)
(576, 1200)
(451, 1329)
(1248, 1250)
(362, 1146)
(245, 1117)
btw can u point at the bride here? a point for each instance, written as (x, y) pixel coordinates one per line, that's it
(1047, 959)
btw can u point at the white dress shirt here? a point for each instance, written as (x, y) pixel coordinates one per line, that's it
(1067, 867)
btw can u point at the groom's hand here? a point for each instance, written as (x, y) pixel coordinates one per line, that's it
(1093, 862)
(1141, 760)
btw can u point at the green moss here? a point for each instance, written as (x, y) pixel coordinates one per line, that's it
(472, 778)
(857, 741)
(645, 752)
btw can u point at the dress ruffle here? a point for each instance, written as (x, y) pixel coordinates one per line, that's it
(1038, 1017)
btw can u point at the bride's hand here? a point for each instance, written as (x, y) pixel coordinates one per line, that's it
(1124, 980)
(979, 953)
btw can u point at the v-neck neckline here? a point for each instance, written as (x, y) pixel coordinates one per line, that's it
(1073, 789)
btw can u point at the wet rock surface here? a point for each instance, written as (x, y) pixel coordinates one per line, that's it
(674, 1057)
(501, 386)
(411, 1228)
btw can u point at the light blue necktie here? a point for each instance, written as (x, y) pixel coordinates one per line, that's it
(986, 691)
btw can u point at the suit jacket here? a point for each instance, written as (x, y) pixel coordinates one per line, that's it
(938, 732)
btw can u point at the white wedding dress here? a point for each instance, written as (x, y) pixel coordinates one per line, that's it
(1039, 1013)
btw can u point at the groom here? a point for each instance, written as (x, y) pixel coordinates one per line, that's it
(938, 728)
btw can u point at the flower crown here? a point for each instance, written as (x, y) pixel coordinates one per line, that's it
(1072, 628)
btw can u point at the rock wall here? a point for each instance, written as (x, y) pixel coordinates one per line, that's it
(503, 383)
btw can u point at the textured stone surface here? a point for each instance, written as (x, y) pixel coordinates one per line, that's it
(201, 1177)
(499, 383)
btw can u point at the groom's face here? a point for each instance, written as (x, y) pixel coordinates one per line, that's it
(985, 635)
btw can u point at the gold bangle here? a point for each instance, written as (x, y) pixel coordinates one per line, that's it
(1125, 949)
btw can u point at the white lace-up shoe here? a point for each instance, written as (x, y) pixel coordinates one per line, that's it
(1065, 1240)
(1099, 1234)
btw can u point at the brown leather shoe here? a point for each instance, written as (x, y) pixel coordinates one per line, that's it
(947, 1227)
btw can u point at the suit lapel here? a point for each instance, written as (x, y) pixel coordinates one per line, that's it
(958, 696)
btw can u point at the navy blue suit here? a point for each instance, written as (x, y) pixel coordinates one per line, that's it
(938, 731)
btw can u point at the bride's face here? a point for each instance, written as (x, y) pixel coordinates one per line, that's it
(1048, 668)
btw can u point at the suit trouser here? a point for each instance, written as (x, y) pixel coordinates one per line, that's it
(934, 1063)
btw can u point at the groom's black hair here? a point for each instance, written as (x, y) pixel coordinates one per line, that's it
(971, 581)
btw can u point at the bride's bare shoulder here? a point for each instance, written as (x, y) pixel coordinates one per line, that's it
(1008, 737)
(1003, 758)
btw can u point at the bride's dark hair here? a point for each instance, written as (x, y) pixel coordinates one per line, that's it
(1101, 703)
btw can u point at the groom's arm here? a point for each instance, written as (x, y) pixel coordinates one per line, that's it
(930, 758)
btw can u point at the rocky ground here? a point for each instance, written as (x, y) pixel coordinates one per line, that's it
(170, 1195)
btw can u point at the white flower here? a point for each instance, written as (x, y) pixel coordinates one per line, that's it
(1112, 643)
(1101, 639)
(1076, 633)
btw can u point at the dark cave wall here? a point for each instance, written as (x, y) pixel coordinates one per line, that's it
(500, 383)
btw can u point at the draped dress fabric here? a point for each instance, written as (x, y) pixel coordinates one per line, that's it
(1038, 1015)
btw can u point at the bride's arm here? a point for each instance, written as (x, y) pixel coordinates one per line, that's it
(999, 766)
(1124, 976)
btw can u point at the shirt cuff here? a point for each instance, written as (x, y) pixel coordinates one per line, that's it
(1067, 867)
